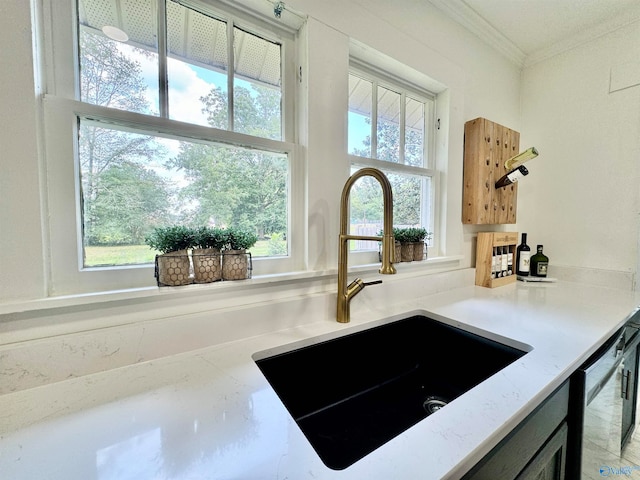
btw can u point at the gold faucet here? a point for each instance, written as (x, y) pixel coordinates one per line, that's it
(347, 292)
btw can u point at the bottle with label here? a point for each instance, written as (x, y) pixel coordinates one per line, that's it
(509, 260)
(539, 263)
(523, 256)
(512, 176)
(504, 261)
(494, 263)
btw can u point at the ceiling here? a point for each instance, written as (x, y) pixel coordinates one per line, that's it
(528, 29)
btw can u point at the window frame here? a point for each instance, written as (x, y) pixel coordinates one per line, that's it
(61, 110)
(382, 78)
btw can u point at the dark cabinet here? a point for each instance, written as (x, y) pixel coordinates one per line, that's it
(629, 391)
(550, 462)
(535, 450)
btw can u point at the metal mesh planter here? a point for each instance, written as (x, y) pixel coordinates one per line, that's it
(173, 268)
(418, 251)
(207, 265)
(407, 252)
(236, 265)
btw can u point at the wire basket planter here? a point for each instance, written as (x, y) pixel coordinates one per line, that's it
(206, 266)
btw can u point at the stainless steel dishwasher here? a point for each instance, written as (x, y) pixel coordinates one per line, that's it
(602, 390)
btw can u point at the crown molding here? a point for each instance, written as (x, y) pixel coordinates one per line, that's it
(461, 13)
(466, 16)
(610, 25)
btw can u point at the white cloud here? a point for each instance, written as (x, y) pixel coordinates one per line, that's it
(185, 87)
(185, 91)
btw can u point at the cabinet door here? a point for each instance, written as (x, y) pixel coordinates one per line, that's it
(550, 462)
(522, 452)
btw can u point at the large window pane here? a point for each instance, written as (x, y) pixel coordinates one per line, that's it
(197, 67)
(132, 183)
(117, 74)
(388, 125)
(360, 101)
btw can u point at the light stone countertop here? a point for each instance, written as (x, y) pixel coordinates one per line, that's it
(210, 413)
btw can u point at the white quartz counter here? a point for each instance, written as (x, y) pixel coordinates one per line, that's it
(210, 413)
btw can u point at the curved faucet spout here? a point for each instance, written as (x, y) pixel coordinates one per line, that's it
(346, 293)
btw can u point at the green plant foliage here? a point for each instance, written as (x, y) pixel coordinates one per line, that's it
(411, 235)
(171, 239)
(415, 235)
(238, 239)
(277, 245)
(207, 237)
(400, 235)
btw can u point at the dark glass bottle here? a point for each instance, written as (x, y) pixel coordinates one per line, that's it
(539, 263)
(523, 256)
(512, 176)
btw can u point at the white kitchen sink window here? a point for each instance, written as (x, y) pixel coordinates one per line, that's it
(167, 113)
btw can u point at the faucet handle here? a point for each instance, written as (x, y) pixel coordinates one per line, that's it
(375, 282)
(354, 287)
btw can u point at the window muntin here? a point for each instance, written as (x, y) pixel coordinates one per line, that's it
(118, 159)
(391, 134)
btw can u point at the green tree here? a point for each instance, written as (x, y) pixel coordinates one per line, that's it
(119, 193)
(256, 110)
(406, 189)
(131, 199)
(235, 186)
(366, 201)
(109, 77)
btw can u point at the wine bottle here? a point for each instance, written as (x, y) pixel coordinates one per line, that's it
(523, 256)
(539, 263)
(494, 263)
(504, 261)
(516, 161)
(509, 260)
(512, 176)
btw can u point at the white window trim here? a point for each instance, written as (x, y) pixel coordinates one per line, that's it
(60, 112)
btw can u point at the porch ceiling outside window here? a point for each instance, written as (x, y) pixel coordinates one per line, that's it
(255, 59)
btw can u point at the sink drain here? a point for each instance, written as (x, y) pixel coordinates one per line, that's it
(433, 404)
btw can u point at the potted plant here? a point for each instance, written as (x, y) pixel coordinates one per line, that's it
(418, 236)
(173, 242)
(235, 263)
(403, 236)
(208, 244)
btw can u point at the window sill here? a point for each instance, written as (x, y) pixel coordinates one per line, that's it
(22, 321)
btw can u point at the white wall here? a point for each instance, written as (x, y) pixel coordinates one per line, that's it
(480, 82)
(22, 270)
(581, 198)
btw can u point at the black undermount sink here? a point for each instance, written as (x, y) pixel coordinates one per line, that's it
(352, 394)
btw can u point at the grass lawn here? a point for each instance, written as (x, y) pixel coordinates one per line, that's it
(140, 254)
